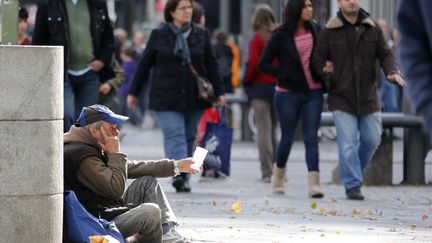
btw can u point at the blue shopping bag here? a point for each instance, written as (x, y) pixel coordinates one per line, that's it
(80, 224)
(217, 140)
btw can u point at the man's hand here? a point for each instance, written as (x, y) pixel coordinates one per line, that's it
(329, 67)
(396, 78)
(110, 145)
(185, 166)
(96, 65)
(104, 88)
(132, 102)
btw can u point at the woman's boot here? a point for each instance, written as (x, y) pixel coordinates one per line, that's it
(278, 180)
(314, 185)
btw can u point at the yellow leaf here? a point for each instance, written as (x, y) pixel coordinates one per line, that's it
(333, 212)
(258, 213)
(313, 205)
(323, 210)
(354, 211)
(289, 210)
(236, 207)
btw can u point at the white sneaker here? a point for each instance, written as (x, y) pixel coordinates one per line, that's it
(173, 236)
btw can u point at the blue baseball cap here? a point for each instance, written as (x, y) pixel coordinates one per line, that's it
(95, 113)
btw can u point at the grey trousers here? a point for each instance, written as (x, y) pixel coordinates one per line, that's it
(146, 219)
(266, 122)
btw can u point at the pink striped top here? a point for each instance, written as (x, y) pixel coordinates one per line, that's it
(304, 44)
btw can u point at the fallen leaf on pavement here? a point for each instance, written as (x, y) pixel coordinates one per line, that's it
(313, 205)
(236, 207)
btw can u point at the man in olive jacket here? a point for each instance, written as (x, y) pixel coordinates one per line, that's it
(345, 57)
(96, 170)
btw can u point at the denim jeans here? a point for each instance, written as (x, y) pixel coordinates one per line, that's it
(290, 106)
(179, 131)
(388, 94)
(358, 137)
(79, 91)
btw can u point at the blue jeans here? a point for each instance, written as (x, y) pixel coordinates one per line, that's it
(358, 137)
(179, 131)
(79, 91)
(290, 106)
(388, 94)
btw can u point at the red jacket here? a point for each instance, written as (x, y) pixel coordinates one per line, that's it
(253, 74)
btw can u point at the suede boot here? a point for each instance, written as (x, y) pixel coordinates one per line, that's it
(314, 185)
(278, 180)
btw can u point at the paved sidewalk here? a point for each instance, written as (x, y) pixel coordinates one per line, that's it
(388, 214)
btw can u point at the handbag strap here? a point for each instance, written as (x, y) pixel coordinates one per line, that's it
(193, 70)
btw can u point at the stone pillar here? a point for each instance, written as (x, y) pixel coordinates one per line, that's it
(31, 144)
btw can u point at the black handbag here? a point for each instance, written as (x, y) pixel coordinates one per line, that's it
(205, 88)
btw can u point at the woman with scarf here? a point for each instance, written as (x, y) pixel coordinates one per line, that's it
(173, 94)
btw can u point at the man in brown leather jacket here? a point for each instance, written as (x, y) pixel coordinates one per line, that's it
(97, 171)
(345, 57)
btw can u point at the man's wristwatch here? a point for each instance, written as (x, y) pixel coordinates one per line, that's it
(176, 168)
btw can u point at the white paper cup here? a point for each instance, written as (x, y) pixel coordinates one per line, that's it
(198, 158)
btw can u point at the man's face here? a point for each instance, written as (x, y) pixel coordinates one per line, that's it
(349, 7)
(110, 129)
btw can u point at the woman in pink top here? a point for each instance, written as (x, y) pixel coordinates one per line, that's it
(260, 87)
(299, 92)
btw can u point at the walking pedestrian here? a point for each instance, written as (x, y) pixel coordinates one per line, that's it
(345, 56)
(83, 28)
(174, 94)
(299, 91)
(260, 87)
(415, 50)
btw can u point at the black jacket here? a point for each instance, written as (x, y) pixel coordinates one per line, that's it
(289, 72)
(52, 28)
(173, 87)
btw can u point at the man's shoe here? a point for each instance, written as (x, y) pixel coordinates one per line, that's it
(173, 236)
(186, 187)
(178, 183)
(354, 194)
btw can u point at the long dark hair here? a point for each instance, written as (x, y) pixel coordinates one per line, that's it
(292, 14)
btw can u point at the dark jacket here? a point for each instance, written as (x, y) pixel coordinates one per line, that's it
(52, 28)
(289, 72)
(415, 48)
(353, 49)
(173, 86)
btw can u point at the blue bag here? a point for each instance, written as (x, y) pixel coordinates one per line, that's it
(80, 224)
(217, 140)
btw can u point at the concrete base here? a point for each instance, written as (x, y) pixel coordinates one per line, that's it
(380, 170)
(31, 218)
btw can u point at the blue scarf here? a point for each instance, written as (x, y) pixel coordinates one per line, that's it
(181, 48)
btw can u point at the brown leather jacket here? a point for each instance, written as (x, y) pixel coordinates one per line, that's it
(354, 50)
